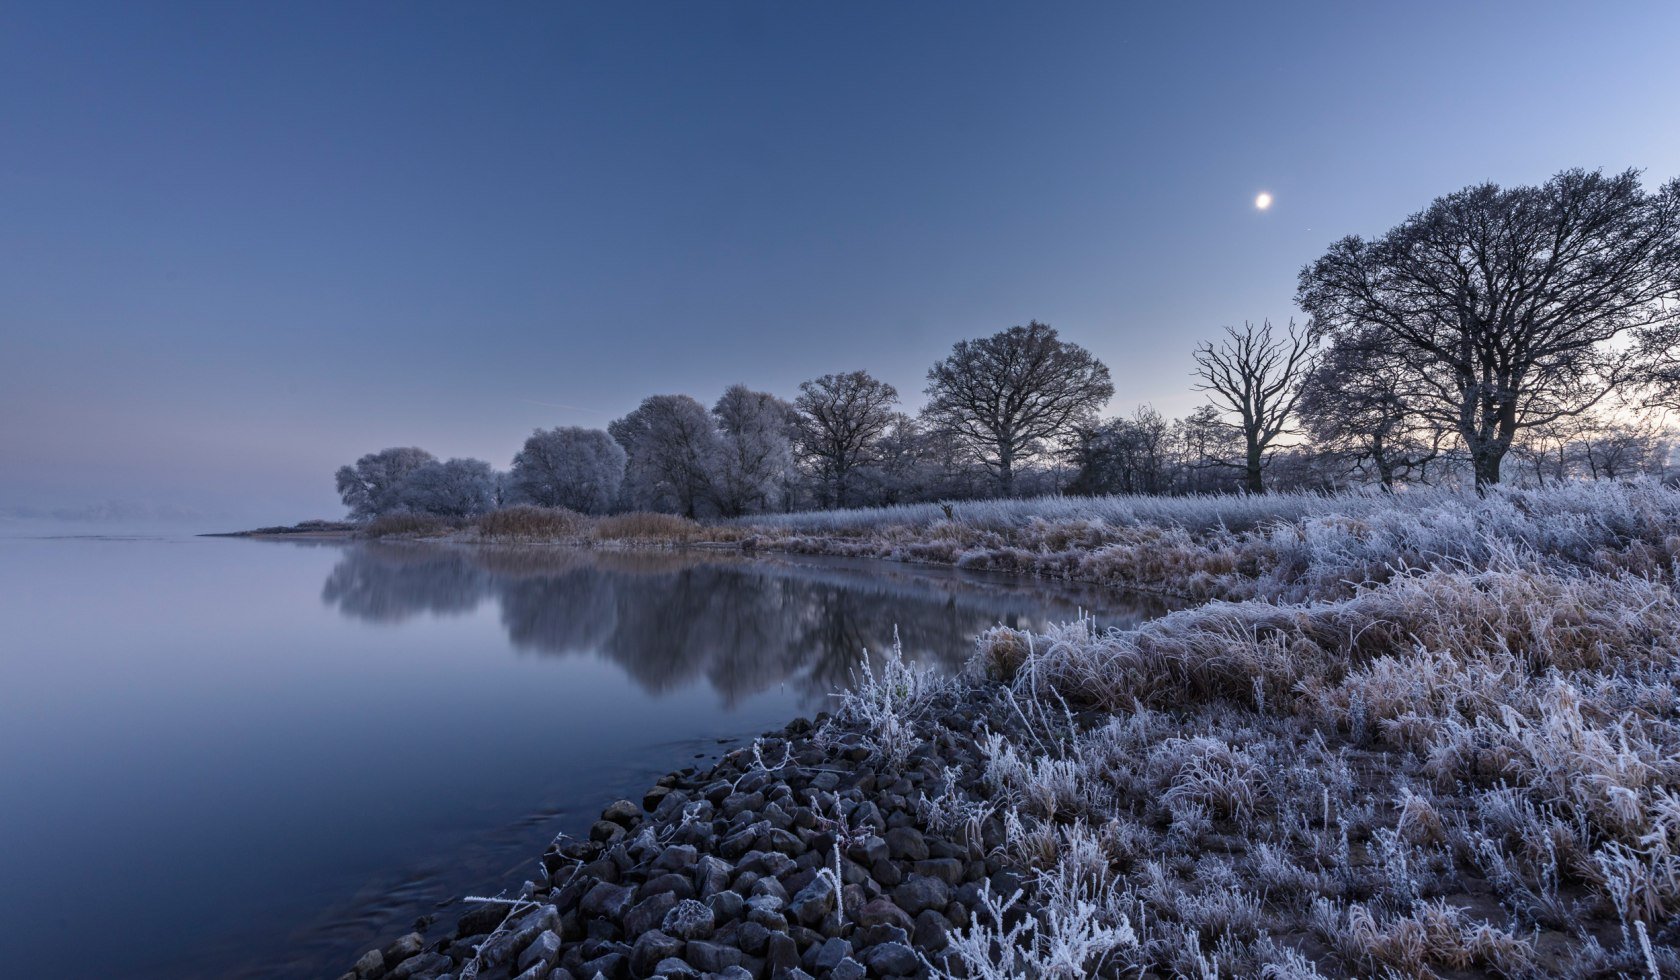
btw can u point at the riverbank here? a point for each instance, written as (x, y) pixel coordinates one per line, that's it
(1433, 737)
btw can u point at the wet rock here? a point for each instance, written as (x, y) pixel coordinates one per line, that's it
(419, 965)
(689, 920)
(606, 832)
(403, 948)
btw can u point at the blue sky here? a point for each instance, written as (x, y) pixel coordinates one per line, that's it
(241, 244)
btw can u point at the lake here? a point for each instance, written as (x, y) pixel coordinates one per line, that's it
(244, 758)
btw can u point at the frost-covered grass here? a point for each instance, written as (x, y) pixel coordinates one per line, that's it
(1272, 547)
(1435, 737)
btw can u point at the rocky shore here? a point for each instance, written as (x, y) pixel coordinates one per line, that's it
(808, 854)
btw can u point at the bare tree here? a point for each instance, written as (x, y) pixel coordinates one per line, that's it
(1357, 403)
(570, 467)
(755, 451)
(673, 449)
(1256, 376)
(369, 488)
(1507, 303)
(1017, 394)
(1122, 455)
(842, 417)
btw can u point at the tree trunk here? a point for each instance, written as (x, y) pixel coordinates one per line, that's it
(1485, 461)
(1006, 473)
(1253, 481)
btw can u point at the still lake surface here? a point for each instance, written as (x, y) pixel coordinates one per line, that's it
(239, 758)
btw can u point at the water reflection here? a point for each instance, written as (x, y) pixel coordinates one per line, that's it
(673, 620)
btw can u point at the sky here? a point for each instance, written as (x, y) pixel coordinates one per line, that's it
(242, 244)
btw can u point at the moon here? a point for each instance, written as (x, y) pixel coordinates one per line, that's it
(1263, 200)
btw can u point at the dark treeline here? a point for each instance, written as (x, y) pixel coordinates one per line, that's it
(1528, 333)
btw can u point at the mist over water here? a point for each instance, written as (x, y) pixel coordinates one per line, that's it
(258, 758)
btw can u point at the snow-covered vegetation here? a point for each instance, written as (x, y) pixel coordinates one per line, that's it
(1438, 734)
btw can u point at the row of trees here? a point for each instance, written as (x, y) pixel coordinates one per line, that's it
(1540, 324)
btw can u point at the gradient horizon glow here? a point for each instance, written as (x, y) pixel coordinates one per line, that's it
(243, 244)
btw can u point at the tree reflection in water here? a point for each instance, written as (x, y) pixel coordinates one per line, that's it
(671, 620)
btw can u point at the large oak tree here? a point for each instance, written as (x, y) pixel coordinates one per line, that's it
(1514, 307)
(1007, 397)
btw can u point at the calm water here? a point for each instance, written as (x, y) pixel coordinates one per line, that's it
(248, 758)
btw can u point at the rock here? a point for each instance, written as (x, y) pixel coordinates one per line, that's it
(653, 947)
(403, 948)
(669, 883)
(848, 969)
(654, 797)
(815, 901)
(711, 875)
(608, 900)
(710, 957)
(689, 920)
(882, 911)
(420, 964)
(781, 953)
(887, 873)
(371, 964)
(821, 959)
(948, 870)
(543, 951)
(892, 959)
(726, 905)
(678, 857)
(920, 892)
(480, 920)
(606, 832)
(675, 969)
(931, 932)
(622, 812)
(753, 938)
(648, 914)
(613, 966)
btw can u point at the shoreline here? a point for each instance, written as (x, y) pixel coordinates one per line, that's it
(803, 854)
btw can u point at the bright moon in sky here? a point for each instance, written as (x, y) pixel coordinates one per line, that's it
(1264, 201)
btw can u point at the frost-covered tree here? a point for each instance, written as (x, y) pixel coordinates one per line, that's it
(842, 418)
(1014, 396)
(369, 486)
(1514, 307)
(1255, 376)
(755, 451)
(1358, 403)
(570, 467)
(1123, 455)
(456, 488)
(673, 450)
